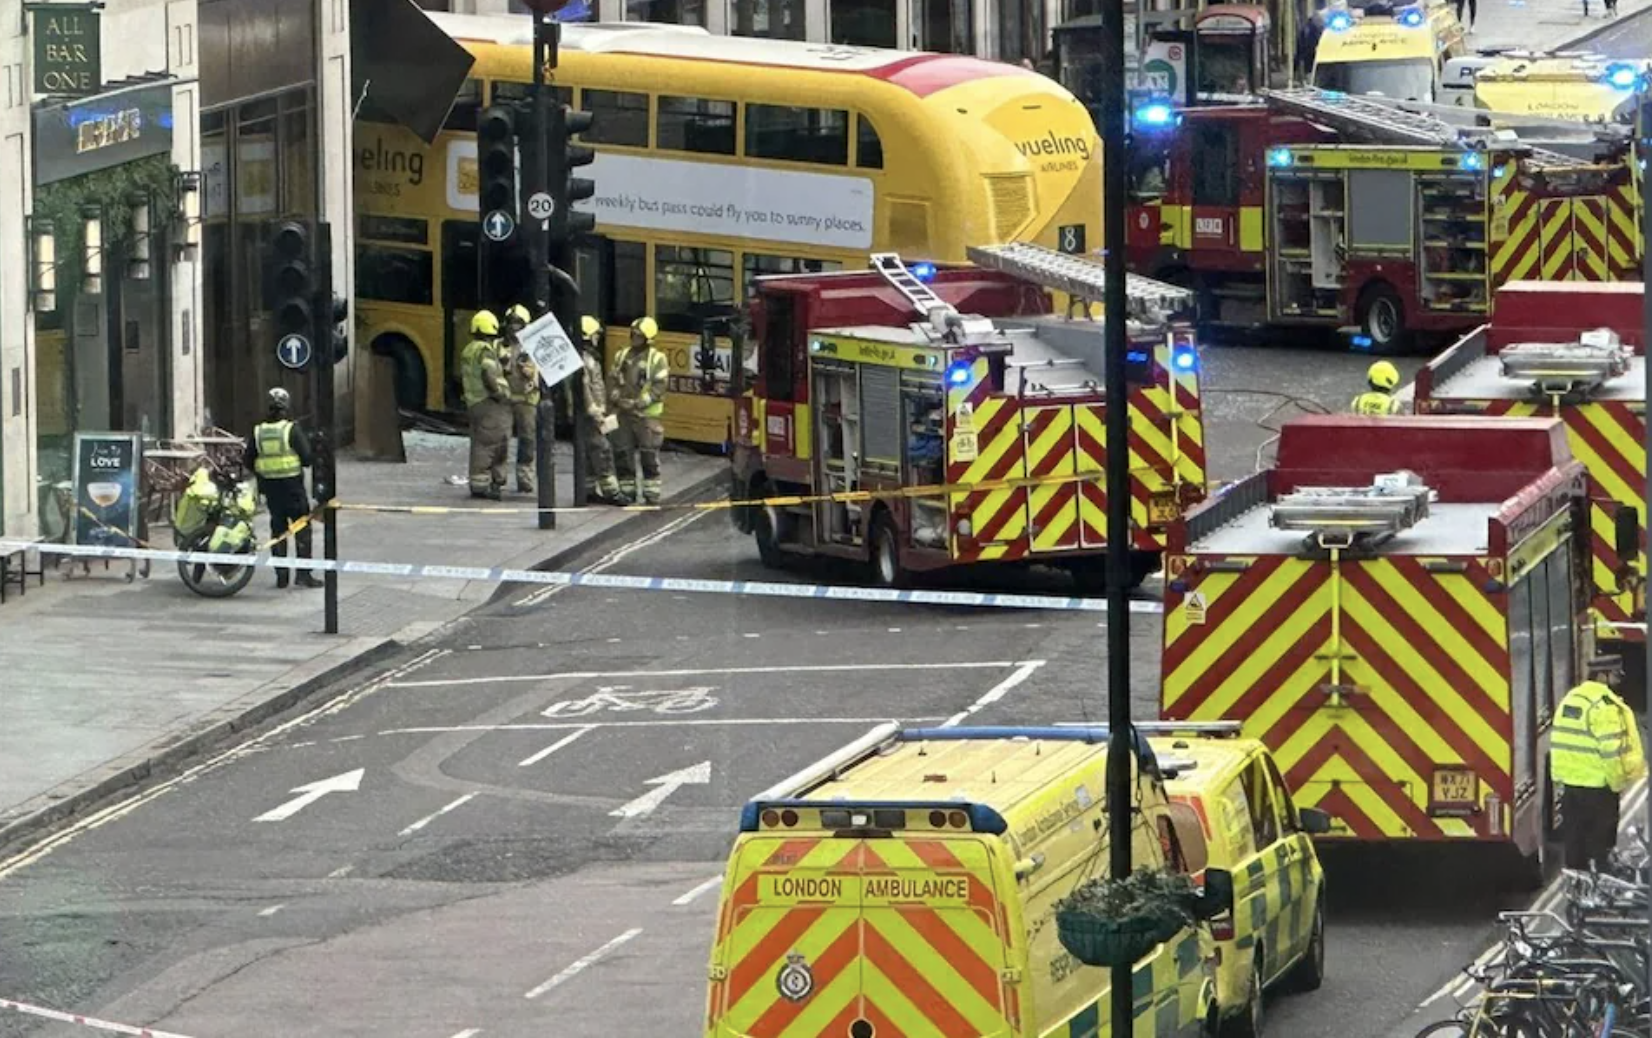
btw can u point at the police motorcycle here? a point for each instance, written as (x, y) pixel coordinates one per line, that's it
(214, 514)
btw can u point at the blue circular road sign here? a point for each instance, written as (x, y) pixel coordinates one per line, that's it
(293, 351)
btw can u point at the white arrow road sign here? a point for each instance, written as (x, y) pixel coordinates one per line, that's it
(348, 782)
(693, 775)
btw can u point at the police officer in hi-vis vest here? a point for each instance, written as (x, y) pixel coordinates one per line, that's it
(1594, 755)
(278, 453)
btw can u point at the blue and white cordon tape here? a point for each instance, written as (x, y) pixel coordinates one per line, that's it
(500, 575)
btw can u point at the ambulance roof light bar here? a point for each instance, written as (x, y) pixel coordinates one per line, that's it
(942, 317)
(1080, 277)
(1567, 367)
(1223, 728)
(1337, 515)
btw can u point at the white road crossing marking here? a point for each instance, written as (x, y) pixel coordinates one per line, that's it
(427, 819)
(469, 1032)
(341, 872)
(271, 910)
(114, 812)
(710, 884)
(615, 556)
(592, 675)
(1022, 672)
(553, 747)
(584, 964)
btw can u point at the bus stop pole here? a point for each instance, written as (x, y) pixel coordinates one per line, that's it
(1111, 116)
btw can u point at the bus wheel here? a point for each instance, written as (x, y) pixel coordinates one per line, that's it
(1381, 315)
(411, 382)
(887, 570)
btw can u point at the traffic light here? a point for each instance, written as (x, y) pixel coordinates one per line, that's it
(292, 280)
(564, 159)
(496, 159)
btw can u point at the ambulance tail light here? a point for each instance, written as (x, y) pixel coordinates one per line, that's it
(862, 817)
(1221, 927)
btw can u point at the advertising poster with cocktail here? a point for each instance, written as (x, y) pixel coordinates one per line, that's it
(106, 489)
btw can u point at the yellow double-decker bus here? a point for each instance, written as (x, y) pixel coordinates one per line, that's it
(719, 159)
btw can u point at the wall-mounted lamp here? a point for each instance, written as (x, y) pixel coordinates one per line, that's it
(91, 218)
(43, 243)
(188, 215)
(137, 266)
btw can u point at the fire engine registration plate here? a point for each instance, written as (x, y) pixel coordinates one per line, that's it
(1162, 509)
(1453, 791)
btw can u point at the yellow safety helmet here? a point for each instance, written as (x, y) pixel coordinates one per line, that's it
(589, 327)
(519, 313)
(646, 327)
(1383, 376)
(484, 323)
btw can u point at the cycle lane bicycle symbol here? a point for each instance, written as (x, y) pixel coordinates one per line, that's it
(620, 699)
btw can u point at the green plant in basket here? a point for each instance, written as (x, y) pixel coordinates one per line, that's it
(1114, 922)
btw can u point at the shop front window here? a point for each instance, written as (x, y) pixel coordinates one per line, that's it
(774, 19)
(863, 23)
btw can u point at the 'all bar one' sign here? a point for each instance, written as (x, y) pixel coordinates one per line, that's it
(66, 51)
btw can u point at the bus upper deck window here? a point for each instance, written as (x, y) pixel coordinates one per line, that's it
(695, 124)
(621, 117)
(818, 135)
(868, 145)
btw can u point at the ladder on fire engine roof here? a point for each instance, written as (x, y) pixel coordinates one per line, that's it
(1337, 517)
(1383, 120)
(1563, 368)
(944, 319)
(1083, 279)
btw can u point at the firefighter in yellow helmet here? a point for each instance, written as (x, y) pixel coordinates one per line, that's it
(523, 376)
(1594, 754)
(487, 397)
(1382, 378)
(636, 392)
(600, 482)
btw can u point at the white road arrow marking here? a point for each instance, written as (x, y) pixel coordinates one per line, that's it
(348, 782)
(693, 775)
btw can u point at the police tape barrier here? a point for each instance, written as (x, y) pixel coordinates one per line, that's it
(85, 1021)
(500, 575)
(780, 501)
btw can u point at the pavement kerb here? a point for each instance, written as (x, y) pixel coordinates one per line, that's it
(296, 686)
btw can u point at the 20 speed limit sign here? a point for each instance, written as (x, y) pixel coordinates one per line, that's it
(540, 206)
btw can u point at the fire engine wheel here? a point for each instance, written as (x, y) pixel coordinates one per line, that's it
(1382, 318)
(765, 523)
(887, 570)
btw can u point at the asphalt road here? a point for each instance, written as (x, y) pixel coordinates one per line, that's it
(515, 830)
(1628, 38)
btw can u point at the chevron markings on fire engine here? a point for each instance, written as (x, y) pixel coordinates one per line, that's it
(501, 575)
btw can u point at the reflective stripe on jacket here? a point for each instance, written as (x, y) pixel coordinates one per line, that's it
(1373, 402)
(642, 375)
(276, 457)
(1594, 743)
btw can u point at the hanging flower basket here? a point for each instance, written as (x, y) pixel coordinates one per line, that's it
(1107, 922)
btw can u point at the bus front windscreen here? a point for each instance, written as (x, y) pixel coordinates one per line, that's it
(1410, 79)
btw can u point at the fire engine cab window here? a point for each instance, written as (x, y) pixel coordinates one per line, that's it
(1215, 166)
(621, 118)
(1224, 64)
(691, 285)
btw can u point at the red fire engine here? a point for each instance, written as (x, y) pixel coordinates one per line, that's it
(1275, 217)
(988, 394)
(1576, 352)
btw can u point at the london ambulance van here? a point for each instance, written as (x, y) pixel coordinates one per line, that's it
(906, 886)
(1228, 797)
(1573, 87)
(1380, 47)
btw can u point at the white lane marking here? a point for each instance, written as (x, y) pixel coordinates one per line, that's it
(710, 884)
(664, 785)
(266, 913)
(1022, 672)
(584, 964)
(469, 1032)
(553, 747)
(113, 812)
(615, 556)
(894, 630)
(427, 819)
(751, 635)
(341, 872)
(587, 675)
(661, 723)
(1462, 984)
(310, 792)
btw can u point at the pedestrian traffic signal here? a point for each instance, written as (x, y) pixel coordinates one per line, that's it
(291, 279)
(565, 157)
(496, 158)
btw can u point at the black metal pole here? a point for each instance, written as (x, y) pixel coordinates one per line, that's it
(1112, 119)
(546, 37)
(326, 470)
